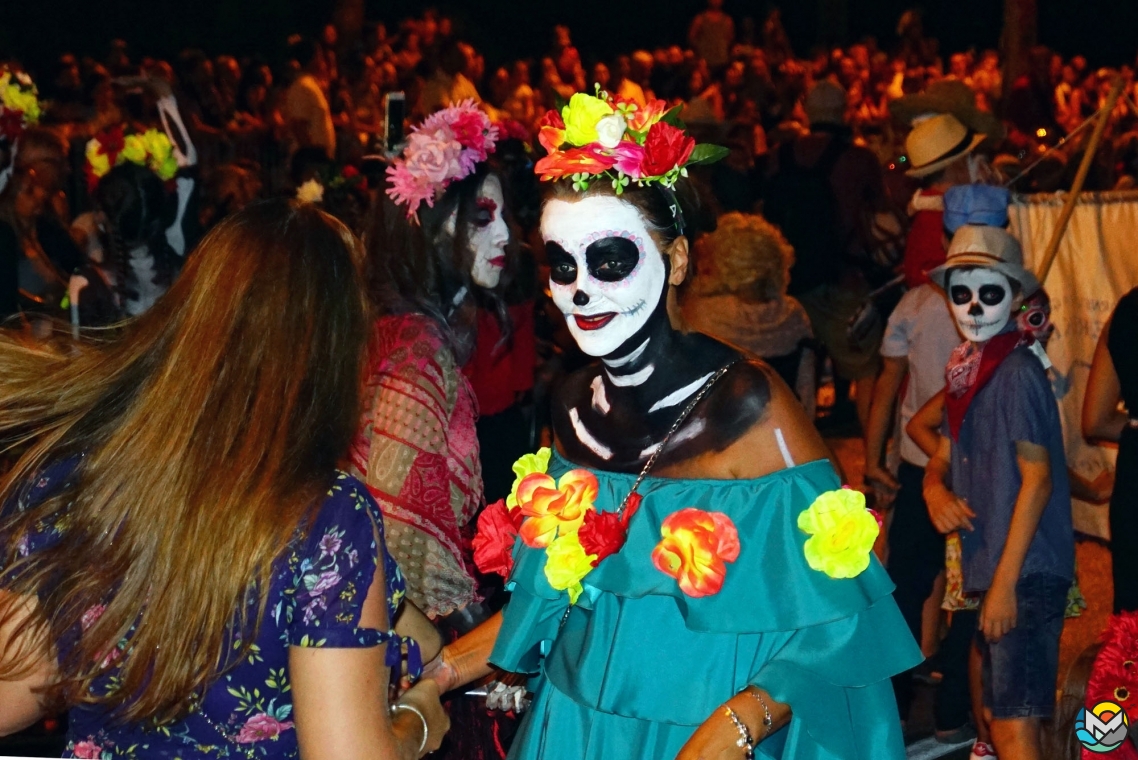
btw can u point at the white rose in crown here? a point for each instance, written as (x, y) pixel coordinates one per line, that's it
(610, 130)
(310, 192)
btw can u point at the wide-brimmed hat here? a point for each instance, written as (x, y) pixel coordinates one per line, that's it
(978, 245)
(937, 142)
(948, 96)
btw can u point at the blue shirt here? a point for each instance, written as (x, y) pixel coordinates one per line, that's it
(1017, 404)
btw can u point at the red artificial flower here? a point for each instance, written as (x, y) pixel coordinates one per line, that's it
(510, 129)
(468, 128)
(694, 548)
(112, 141)
(646, 115)
(11, 124)
(591, 159)
(602, 534)
(665, 148)
(551, 131)
(350, 172)
(494, 541)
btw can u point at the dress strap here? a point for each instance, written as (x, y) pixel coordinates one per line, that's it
(783, 448)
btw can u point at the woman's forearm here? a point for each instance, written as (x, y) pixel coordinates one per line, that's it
(467, 659)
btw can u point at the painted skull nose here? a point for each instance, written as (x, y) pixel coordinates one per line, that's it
(580, 298)
(975, 310)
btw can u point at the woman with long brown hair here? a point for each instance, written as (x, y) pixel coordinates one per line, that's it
(182, 566)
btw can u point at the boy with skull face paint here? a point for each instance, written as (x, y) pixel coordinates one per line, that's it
(1010, 495)
(772, 661)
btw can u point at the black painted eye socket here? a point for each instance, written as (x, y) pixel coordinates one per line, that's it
(482, 218)
(960, 295)
(991, 295)
(562, 266)
(612, 259)
(1036, 319)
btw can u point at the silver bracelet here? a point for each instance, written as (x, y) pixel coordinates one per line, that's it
(411, 708)
(768, 721)
(744, 742)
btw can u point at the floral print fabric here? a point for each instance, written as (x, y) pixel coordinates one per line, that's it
(315, 599)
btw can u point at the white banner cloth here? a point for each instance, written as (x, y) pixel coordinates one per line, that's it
(1097, 264)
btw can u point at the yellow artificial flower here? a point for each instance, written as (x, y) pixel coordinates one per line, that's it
(17, 98)
(566, 564)
(581, 117)
(167, 169)
(97, 160)
(527, 465)
(842, 532)
(157, 145)
(133, 150)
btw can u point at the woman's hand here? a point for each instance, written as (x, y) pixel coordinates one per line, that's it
(424, 697)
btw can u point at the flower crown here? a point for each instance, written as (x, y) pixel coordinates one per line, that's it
(19, 103)
(115, 146)
(620, 140)
(445, 148)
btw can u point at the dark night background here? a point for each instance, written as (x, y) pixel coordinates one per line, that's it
(37, 31)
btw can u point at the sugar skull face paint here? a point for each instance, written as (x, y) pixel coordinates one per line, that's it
(488, 234)
(606, 274)
(981, 301)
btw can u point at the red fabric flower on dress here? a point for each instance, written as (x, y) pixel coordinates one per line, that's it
(495, 539)
(695, 548)
(602, 534)
(665, 148)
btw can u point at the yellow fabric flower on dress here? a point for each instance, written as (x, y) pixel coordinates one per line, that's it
(581, 117)
(842, 532)
(528, 464)
(566, 564)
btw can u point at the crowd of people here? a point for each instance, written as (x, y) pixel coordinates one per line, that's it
(644, 269)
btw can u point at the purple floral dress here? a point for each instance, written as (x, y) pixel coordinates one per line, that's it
(315, 599)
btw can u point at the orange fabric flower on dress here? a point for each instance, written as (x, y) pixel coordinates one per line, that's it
(695, 548)
(554, 508)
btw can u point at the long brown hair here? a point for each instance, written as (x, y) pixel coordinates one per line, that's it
(208, 432)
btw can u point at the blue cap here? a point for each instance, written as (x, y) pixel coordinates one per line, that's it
(975, 204)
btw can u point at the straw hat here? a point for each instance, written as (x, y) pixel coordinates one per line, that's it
(948, 96)
(976, 245)
(937, 142)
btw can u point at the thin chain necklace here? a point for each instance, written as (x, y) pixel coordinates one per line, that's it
(699, 396)
(249, 751)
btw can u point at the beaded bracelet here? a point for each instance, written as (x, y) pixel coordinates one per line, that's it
(744, 742)
(423, 744)
(768, 721)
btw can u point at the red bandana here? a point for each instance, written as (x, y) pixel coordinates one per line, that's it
(970, 368)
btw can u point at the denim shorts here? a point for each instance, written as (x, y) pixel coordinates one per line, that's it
(1021, 669)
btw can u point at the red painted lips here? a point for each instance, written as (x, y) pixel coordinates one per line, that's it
(595, 322)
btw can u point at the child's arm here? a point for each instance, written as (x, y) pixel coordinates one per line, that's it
(924, 426)
(880, 415)
(998, 615)
(947, 511)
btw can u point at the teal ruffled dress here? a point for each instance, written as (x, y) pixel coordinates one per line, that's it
(631, 670)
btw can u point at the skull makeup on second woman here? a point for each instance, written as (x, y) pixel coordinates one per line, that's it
(607, 274)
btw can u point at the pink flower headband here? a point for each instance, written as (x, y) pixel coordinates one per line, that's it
(445, 148)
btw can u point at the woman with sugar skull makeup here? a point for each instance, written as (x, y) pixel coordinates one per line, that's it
(668, 581)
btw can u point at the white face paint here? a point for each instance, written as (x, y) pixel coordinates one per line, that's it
(489, 234)
(607, 275)
(981, 301)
